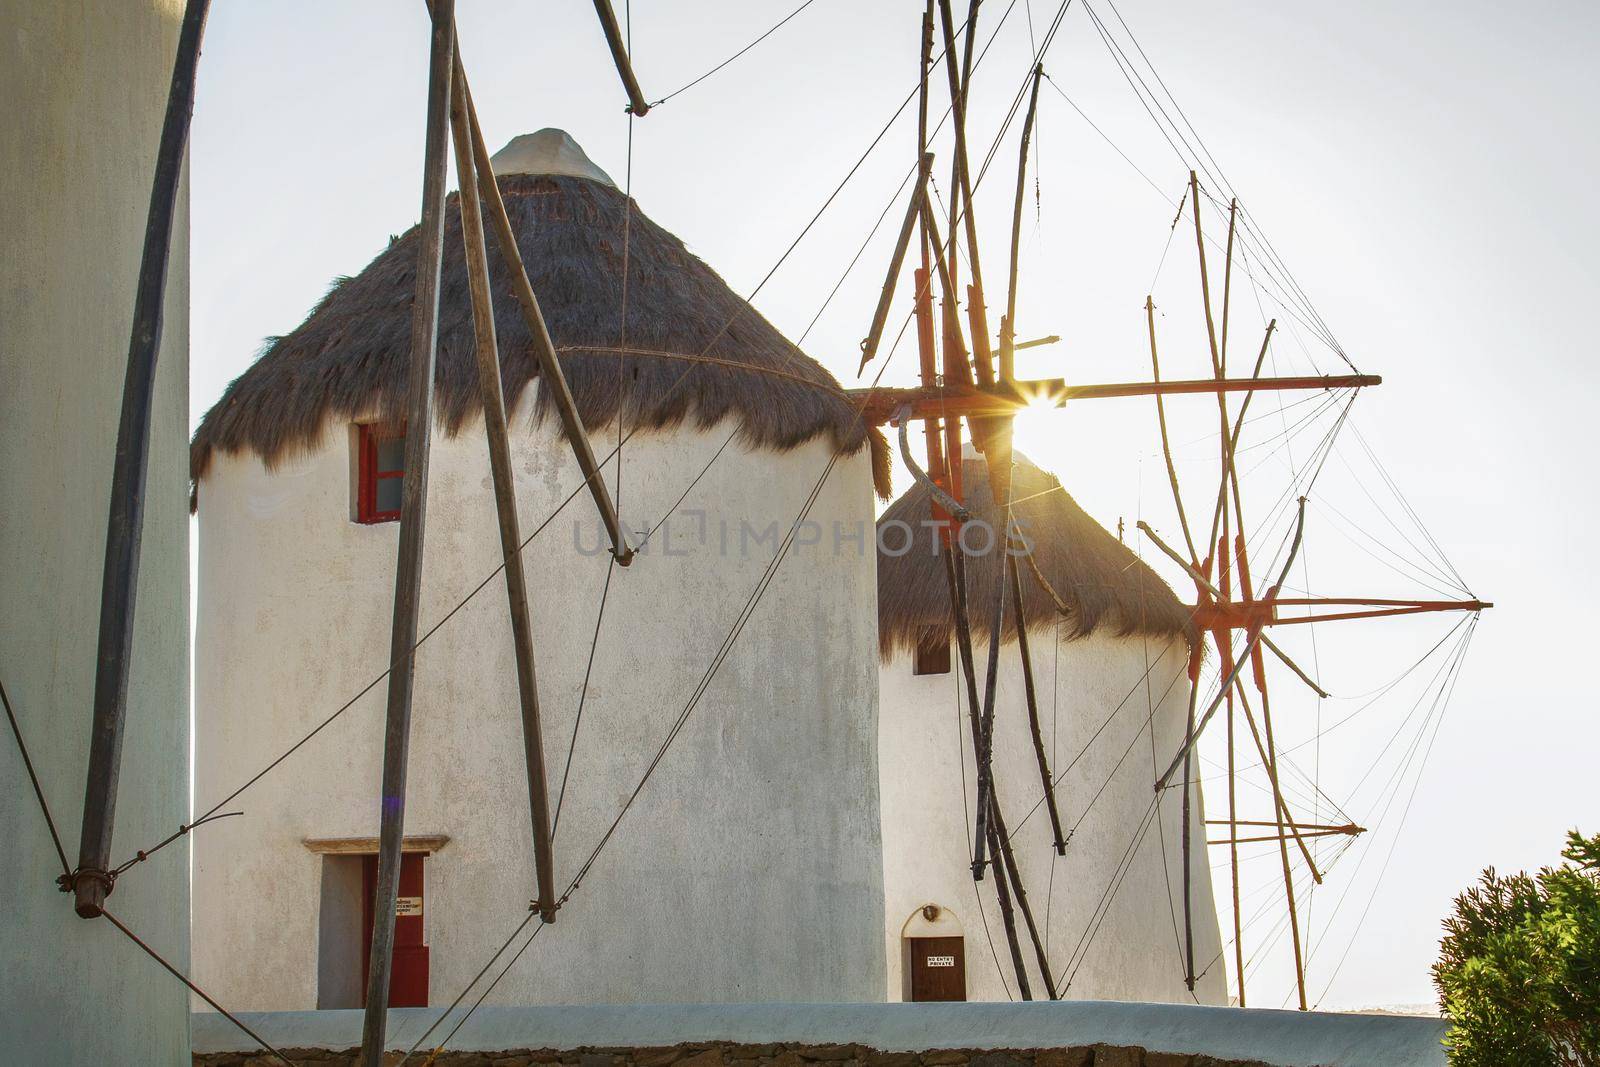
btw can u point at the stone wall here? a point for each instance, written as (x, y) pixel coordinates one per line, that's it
(729, 1054)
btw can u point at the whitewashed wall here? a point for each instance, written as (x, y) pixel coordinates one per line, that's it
(927, 781)
(748, 870)
(85, 89)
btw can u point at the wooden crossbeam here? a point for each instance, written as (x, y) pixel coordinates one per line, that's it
(954, 399)
(1243, 614)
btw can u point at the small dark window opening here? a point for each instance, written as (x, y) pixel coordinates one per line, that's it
(933, 651)
(382, 470)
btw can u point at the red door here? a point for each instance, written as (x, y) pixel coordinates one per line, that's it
(408, 979)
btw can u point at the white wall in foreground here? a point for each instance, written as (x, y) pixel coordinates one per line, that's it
(85, 88)
(928, 781)
(1260, 1035)
(749, 868)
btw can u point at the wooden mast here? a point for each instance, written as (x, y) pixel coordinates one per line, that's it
(119, 583)
(413, 507)
(552, 380)
(619, 55)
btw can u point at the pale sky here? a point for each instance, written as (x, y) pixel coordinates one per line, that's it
(1424, 170)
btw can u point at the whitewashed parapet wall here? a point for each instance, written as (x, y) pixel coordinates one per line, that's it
(749, 868)
(1134, 692)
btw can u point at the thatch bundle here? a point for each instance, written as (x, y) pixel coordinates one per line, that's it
(1099, 579)
(349, 358)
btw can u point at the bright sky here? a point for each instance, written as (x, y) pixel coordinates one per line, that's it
(1424, 170)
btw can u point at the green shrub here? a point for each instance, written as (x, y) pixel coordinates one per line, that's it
(1519, 966)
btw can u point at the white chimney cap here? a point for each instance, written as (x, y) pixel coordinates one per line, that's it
(549, 151)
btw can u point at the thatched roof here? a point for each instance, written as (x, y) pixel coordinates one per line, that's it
(349, 358)
(1101, 581)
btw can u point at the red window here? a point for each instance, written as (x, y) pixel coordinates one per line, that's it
(933, 651)
(382, 469)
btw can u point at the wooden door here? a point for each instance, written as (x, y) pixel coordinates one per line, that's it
(938, 968)
(408, 978)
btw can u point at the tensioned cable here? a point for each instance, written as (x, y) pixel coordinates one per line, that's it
(196, 990)
(1440, 699)
(622, 408)
(186, 827)
(1155, 771)
(1410, 511)
(1408, 569)
(1399, 829)
(1111, 775)
(856, 258)
(1376, 695)
(1396, 780)
(434, 1055)
(1102, 908)
(38, 791)
(523, 925)
(1130, 74)
(676, 384)
(740, 621)
(1220, 178)
(1281, 301)
(1062, 775)
(583, 696)
(736, 55)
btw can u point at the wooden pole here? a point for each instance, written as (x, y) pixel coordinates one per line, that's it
(1280, 803)
(958, 115)
(1009, 919)
(413, 508)
(1266, 642)
(1254, 634)
(1227, 284)
(962, 398)
(1014, 876)
(619, 56)
(1309, 827)
(1283, 853)
(1224, 640)
(1335, 831)
(985, 744)
(1188, 841)
(505, 495)
(869, 347)
(1205, 283)
(1045, 778)
(119, 584)
(1008, 324)
(1166, 443)
(1268, 756)
(552, 379)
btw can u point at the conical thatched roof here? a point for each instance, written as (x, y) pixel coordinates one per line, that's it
(1101, 581)
(349, 357)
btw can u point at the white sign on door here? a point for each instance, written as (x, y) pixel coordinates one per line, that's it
(941, 961)
(408, 906)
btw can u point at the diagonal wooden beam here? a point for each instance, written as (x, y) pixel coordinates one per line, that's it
(1020, 616)
(869, 347)
(619, 55)
(1266, 642)
(1251, 640)
(413, 509)
(505, 494)
(551, 376)
(1008, 322)
(119, 583)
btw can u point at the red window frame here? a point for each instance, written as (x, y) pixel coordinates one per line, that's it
(369, 475)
